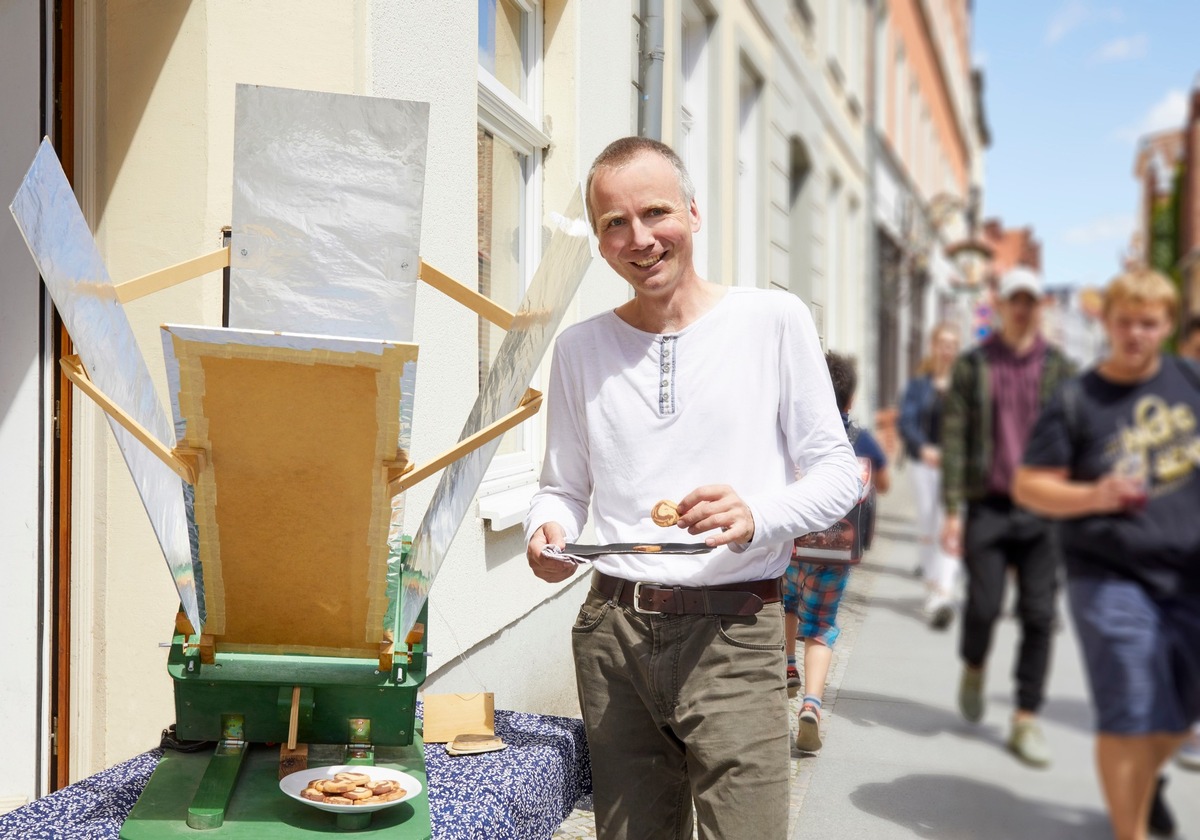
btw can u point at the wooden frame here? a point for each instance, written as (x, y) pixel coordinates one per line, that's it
(165, 278)
(187, 463)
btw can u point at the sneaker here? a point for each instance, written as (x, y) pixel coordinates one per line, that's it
(808, 739)
(940, 611)
(1029, 744)
(1162, 821)
(970, 694)
(1189, 754)
(793, 681)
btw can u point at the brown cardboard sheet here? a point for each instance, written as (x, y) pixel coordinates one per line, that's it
(292, 506)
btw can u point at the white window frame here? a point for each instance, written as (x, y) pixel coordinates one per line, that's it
(695, 115)
(518, 122)
(834, 250)
(750, 154)
(900, 100)
(835, 35)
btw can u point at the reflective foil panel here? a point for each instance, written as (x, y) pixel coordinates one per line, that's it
(327, 195)
(74, 272)
(554, 285)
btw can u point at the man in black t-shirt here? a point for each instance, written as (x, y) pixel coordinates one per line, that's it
(1116, 456)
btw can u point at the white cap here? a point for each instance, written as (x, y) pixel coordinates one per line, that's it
(1018, 280)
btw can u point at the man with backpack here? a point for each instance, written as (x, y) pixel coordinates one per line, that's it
(820, 567)
(1116, 456)
(996, 391)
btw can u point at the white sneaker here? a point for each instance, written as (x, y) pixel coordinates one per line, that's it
(939, 610)
(1189, 753)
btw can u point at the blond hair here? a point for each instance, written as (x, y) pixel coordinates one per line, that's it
(1142, 286)
(926, 366)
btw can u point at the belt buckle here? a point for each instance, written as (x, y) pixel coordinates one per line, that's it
(637, 597)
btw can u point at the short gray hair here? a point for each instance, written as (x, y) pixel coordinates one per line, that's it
(622, 151)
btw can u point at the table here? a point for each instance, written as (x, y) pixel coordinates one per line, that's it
(520, 793)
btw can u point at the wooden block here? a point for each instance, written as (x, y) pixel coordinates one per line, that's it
(415, 635)
(207, 652)
(291, 761)
(183, 627)
(387, 656)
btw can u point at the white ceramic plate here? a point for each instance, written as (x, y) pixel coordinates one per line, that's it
(294, 783)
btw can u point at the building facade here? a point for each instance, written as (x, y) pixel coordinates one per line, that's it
(814, 130)
(929, 135)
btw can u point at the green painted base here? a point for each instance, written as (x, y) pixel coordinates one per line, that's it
(259, 809)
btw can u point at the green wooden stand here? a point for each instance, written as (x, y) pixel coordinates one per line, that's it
(259, 810)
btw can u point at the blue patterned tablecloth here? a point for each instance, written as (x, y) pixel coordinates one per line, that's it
(520, 793)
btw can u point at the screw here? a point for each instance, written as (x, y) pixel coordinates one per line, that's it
(244, 252)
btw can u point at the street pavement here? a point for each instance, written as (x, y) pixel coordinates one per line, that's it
(900, 762)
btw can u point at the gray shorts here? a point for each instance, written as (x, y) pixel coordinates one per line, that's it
(1142, 655)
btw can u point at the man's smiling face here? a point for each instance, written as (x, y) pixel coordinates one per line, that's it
(644, 225)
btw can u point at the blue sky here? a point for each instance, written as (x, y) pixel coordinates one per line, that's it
(1070, 86)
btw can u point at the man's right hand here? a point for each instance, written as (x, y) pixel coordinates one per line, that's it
(952, 535)
(548, 569)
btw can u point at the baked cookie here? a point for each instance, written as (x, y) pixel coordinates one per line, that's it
(664, 513)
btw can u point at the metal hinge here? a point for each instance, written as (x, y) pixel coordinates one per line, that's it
(57, 425)
(54, 735)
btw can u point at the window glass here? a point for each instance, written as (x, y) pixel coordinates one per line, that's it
(501, 211)
(502, 38)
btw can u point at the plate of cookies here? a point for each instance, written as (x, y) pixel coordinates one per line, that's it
(350, 788)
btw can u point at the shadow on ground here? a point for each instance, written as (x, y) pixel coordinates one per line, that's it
(911, 717)
(942, 807)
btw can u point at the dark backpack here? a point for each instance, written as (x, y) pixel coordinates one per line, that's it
(844, 542)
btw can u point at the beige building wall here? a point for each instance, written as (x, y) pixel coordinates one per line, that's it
(155, 115)
(787, 183)
(783, 92)
(155, 119)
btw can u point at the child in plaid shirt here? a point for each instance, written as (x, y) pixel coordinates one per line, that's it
(812, 591)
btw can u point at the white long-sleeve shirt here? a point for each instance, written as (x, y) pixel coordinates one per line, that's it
(741, 396)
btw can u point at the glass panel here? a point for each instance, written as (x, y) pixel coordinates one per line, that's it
(502, 29)
(501, 245)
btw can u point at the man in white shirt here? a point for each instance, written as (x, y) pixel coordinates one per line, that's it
(716, 397)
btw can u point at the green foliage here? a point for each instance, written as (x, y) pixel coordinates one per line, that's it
(1165, 234)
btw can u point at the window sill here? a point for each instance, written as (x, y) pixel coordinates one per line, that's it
(508, 508)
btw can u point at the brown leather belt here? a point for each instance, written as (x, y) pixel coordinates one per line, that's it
(727, 599)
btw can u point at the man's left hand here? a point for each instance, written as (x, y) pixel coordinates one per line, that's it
(717, 506)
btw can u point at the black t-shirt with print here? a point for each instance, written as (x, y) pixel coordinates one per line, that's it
(1107, 425)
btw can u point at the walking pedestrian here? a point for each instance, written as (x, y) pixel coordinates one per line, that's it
(921, 411)
(996, 392)
(1116, 456)
(1188, 756)
(712, 395)
(813, 591)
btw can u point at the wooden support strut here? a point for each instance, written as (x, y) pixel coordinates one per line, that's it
(481, 305)
(294, 718)
(185, 462)
(528, 407)
(172, 275)
(165, 278)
